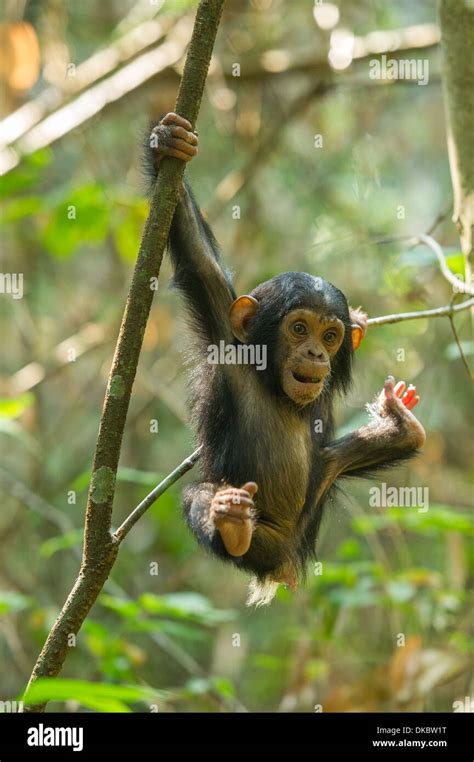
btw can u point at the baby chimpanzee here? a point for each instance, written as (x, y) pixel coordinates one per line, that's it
(269, 457)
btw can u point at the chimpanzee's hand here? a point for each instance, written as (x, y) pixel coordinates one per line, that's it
(173, 136)
(233, 513)
(396, 403)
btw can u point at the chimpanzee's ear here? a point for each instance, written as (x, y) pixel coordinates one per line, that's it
(359, 326)
(240, 312)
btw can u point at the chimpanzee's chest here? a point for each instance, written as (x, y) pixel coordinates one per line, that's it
(277, 456)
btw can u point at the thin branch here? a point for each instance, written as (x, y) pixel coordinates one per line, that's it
(393, 42)
(48, 117)
(414, 240)
(90, 336)
(440, 217)
(156, 492)
(459, 286)
(446, 311)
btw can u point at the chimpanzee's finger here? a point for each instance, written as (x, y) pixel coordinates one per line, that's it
(180, 132)
(399, 388)
(173, 118)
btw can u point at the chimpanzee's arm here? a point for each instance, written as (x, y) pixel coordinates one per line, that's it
(393, 434)
(199, 273)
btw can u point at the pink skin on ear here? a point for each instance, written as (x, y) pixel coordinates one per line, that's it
(359, 326)
(240, 312)
(357, 336)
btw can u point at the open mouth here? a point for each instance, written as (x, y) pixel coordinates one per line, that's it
(306, 379)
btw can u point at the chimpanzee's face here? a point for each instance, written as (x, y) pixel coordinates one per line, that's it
(308, 341)
(305, 324)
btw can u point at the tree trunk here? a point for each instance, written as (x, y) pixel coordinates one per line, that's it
(100, 548)
(457, 41)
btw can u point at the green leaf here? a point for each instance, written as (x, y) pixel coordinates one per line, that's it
(18, 208)
(337, 574)
(126, 609)
(183, 606)
(223, 687)
(128, 232)
(135, 476)
(92, 627)
(81, 218)
(349, 548)
(456, 263)
(462, 642)
(61, 542)
(436, 520)
(189, 631)
(101, 697)
(316, 669)
(12, 407)
(178, 6)
(11, 601)
(26, 174)
(81, 482)
(269, 662)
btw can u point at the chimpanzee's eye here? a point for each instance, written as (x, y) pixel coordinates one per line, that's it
(299, 329)
(330, 337)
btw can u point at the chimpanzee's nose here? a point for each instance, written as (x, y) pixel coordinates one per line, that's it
(316, 354)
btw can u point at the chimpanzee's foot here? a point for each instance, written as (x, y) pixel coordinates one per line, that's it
(232, 511)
